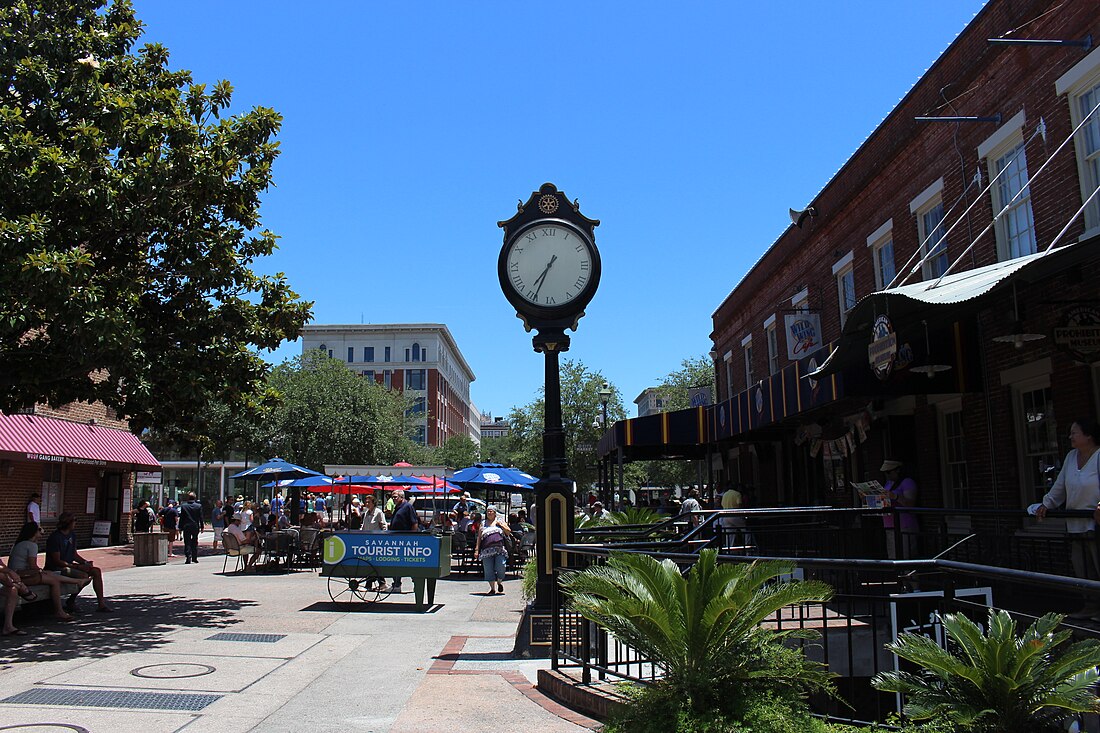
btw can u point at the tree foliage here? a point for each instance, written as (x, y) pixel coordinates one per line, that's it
(995, 680)
(580, 407)
(129, 223)
(457, 451)
(329, 414)
(675, 390)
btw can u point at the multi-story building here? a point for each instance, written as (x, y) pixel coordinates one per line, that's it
(420, 359)
(937, 303)
(495, 427)
(650, 401)
(951, 275)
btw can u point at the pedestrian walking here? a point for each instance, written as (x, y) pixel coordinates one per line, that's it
(191, 523)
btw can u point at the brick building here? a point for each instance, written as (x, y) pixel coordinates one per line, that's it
(419, 359)
(970, 385)
(81, 458)
(843, 345)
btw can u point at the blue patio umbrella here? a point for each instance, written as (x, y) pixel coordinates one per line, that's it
(493, 476)
(308, 481)
(275, 470)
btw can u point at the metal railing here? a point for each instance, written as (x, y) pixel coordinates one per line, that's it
(875, 599)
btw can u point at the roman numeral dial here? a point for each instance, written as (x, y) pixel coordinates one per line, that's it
(549, 265)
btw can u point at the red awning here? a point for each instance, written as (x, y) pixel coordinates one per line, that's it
(45, 438)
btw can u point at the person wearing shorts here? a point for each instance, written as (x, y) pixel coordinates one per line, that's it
(217, 521)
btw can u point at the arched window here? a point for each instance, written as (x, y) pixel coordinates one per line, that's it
(416, 352)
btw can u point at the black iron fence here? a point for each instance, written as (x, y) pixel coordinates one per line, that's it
(875, 600)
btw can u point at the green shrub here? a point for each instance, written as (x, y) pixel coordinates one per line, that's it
(530, 578)
(994, 680)
(658, 709)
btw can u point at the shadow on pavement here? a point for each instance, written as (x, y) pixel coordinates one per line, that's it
(381, 607)
(138, 622)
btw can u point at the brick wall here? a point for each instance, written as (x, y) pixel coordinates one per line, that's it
(898, 161)
(84, 412)
(26, 479)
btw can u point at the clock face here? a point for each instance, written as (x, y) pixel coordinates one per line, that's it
(549, 265)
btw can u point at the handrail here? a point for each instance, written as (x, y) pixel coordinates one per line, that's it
(965, 568)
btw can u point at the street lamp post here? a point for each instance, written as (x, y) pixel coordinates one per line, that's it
(605, 396)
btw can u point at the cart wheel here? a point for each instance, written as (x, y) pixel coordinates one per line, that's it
(361, 585)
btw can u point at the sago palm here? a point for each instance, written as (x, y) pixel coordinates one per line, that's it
(996, 681)
(703, 628)
(634, 515)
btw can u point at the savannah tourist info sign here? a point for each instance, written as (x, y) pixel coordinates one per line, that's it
(372, 554)
(384, 550)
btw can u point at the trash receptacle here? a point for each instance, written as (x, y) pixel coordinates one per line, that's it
(150, 548)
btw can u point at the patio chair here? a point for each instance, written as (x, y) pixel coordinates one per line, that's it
(233, 548)
(527, 543)
(308, 550)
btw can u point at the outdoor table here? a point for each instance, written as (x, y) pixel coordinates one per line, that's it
(359, 564)
(276, 545)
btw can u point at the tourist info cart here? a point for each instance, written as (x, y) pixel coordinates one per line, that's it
(360, 564)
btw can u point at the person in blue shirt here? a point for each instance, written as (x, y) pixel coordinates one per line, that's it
(62, 557)
(404, 519)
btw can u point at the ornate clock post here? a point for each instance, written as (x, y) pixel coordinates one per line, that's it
(549, 269)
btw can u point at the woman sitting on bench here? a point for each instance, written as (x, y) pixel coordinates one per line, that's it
(14, 590)
(24, 560)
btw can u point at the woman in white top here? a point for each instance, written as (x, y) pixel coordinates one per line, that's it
(1078, 487)
(24, 560)
(373, 517)
(246, 516)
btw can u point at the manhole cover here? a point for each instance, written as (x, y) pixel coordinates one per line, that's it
(111, 699)
(172, 671)
(45, 727)
(232, 636)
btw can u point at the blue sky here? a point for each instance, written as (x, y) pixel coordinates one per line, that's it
(410, 129)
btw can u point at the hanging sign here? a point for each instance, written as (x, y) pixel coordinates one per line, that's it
(700, 396)
(1078, 333)
(883, 348)
(803, 334)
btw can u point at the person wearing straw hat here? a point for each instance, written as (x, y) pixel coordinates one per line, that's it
(902, 492)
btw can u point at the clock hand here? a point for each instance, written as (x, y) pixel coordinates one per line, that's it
(542, 278)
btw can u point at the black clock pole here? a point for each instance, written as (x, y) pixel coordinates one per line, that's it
(549, 231)
(554, 491)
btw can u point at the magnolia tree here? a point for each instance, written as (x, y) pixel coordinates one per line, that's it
(129, 224)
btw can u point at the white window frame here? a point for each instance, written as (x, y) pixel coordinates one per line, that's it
(801, 300)
(951, 406)
(1003, 145)
(1081, 79)
(728, 359)
(771, 336)
(746, 350)
(52, 492)
(1027, 492)
(844, 270)
(927, 200)
(878, 241)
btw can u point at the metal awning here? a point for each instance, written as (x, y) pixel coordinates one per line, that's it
(40, 438)
(951, 297)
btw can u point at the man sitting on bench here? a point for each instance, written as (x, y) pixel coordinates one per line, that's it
(62, 558)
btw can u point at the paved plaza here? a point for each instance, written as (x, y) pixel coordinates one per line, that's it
(188, 649)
